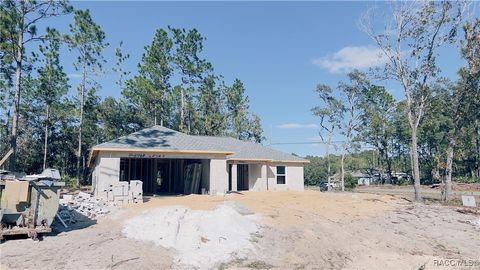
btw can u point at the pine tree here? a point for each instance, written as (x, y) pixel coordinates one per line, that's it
(256, 131)
(87, 39)
(18, 20)
(210, 108)
(192, 70)
(237, 109)
(150, 90)
(52, 84)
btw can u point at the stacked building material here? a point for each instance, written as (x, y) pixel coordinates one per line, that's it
(136, 191)
(193, 177)
(123, 192)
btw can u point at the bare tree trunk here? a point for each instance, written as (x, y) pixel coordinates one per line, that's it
(415, 165)
(18, 88)
(477, 140)
(79, 153)
(342, 171)
(182, 110)
(327, 152)
(189, 122)
(45, 147)
(16, 112)
(448, 176)
(389, 164)
(155, 118)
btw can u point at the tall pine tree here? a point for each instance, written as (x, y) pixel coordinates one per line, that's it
(52, 84)
(87, 39)
(237, 109)
(18, 22)
(150, 90)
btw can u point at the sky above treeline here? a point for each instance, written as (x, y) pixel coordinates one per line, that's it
(280, 50)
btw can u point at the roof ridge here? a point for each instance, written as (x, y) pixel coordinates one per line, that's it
(154, 127)
(211, 136)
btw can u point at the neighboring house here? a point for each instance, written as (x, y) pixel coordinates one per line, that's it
(372, 178)
(399, 177)
(333, 182)
(167, 161)
(363, 179)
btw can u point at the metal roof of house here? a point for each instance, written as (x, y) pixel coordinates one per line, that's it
(162, 139)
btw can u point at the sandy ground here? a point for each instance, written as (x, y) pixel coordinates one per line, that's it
(427, 192)
(299, 230)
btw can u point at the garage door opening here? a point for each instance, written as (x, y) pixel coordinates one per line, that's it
(167, 176)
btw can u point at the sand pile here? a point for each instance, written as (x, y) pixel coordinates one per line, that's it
(200, 238)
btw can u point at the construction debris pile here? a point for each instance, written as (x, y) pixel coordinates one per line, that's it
(92, 207)
(82, 203)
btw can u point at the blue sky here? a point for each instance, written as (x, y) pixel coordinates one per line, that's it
(280, 50)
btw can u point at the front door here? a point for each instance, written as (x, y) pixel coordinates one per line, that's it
(229, 177)
(242, 176)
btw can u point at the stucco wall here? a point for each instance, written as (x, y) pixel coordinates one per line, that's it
(294, 177)
(218, 176)
(234, 177)
(106, 172)
(257, 177)
(262, 176)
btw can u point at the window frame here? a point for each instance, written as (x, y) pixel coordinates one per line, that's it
(284, 174)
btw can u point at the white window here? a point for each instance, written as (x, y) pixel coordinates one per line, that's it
(281, 175)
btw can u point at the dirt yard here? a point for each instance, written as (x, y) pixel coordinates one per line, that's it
(429, 193)
(296, 230)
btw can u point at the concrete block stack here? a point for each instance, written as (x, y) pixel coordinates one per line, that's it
(123, 193)
(136, 191)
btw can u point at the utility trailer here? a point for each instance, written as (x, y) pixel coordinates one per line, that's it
(28, 205)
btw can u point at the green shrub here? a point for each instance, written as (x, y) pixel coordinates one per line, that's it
(69, 181)
(466, 179)
(350, 182)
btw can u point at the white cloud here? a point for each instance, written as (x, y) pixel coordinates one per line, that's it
(296, 126)
(352, 57)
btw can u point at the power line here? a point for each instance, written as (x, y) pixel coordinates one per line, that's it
(332, 142)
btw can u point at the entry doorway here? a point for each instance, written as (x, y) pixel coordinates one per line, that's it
(242, 177)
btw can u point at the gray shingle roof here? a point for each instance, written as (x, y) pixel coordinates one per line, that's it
(158, 137)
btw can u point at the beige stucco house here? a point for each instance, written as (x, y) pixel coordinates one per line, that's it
(168, 161)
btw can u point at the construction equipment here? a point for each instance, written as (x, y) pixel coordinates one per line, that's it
(28, 204)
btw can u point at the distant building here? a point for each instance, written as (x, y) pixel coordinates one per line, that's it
(363, 179)
(373, 178)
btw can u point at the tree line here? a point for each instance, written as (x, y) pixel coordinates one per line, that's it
(46, 125)
(434, 132)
